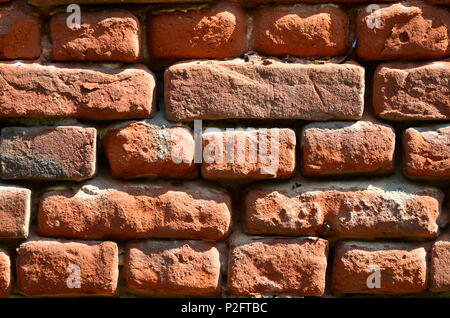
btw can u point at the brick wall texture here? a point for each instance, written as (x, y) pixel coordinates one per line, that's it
(224, 148)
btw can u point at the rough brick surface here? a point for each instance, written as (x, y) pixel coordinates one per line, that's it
(300, 30)
(426, 152)
(113, 35)
(217, 31)
(402, 268)
(338, 148)
(412, 91)
(50, 268)
(440, 265)
(63, 90)
(257, 154)
(112, 209)
(144, 150)
(20, 35)
(54, 153)
(255, 89)
(277, 266)
(415, 30)
(173, 268)
(385, 208)
(15, 205)
(5, 275)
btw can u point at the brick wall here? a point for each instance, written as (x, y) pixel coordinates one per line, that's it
(224, 148)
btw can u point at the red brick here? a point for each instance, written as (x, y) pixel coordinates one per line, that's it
(256, 89)
(63, 90)
(5, 275)
(300, 30)
(141, 150)
(402, 268)
(277, 266)
(48, 153)
(217, 31)
(412, 91)
(20, 36)
(398, 31)
(49, 268)
(173, 268)
(253, 154)
(124, 210)
(386, 208)
(338, 148)
(426, 152)
(15, 205)
(113, 35)
(440, 265)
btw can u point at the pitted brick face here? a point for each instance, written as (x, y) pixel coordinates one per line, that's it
(142, 150)
(383, 209)
(6, 284)
(415, 30)
(113, 209)
(339, 148)
(76, 91)
(402, 268)
(426, 152)
(15, 206)
(48, 153)
(173, 268)
(217, 31)
(20, 31)
(51, 268)
(263, 89)
(277, 266)
(412, 91)
(299, 30)
(113, 35)
(254, 154)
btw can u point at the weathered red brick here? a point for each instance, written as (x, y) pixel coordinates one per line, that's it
(300, 30)
(141, 150)
(113, 35)
(114, 209)
(277, 266)
(263, 89)
(63, 90)
(20, 36)
(5, 274)
(426, 152)
(440, 265)
(412, 91)
(53, 268)
(15, 205)
(402, 268)
(53, 153)
(338, 148)
(386, 208)
(416, 30)
(173, 268)
(252, 154)
(217, 31)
